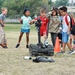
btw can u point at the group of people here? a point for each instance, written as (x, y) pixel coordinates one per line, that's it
(58, 23)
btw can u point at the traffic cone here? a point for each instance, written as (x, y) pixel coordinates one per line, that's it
(57, 46)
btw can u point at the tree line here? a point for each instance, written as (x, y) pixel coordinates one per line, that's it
(16, 7)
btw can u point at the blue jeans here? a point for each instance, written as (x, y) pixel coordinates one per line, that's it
(65, 37)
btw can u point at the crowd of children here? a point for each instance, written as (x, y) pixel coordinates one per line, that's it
(60, 23)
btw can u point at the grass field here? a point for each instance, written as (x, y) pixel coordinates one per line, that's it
(12, 62)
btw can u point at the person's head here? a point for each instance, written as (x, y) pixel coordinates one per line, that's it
(43, 12)
(71, 15)
(4, 10)
(54, 12)
(26, 12)
(63, 10)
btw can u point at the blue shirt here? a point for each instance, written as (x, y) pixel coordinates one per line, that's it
(26, 21)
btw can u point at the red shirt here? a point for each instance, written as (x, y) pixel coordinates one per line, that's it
(44, 21)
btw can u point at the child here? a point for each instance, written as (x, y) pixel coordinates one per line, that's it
(73, 33)
(26, 21)
(3, 41)
(65, 30)
(43, 29)
(54, 25)
(72, 23)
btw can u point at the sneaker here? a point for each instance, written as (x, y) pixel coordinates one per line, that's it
(27, 46)
(61, 52)
(5, 47)
(43, 47)
(17, 45)
(46, 45)
(71, 52)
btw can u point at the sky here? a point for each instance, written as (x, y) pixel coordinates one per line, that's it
(69, 0)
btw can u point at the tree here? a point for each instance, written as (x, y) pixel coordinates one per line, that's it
(1, 2)
(61, 2)
(51, 3)
(16, 7)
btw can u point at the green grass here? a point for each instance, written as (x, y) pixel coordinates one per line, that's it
(15, 27)
(13, 63)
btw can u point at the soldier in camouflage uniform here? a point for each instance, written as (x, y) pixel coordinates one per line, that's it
(54, 25)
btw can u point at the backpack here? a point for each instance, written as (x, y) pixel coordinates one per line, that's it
(71, 21)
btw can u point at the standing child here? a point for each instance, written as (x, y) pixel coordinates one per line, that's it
(3, 41)
(65, 30)
(73, 33)
(54, 25)
(71, 25)
(26, 21)
(44, 24)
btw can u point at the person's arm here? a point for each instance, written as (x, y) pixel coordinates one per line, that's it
(69, 24)
(48, 15)
(1, 22)
(20, 20)
(32, 21)
(69, 28)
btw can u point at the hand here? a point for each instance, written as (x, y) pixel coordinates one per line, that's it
(32, 21)
(3, 25)
(68, 32)
(19, 19)
(58, 31)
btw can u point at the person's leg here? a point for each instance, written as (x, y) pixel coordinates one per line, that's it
(74, 42)
(71, 37)
(20, 37)
(68, 43)
(45, 38)
(52, 38)
(60, 39)
(3, 41)
(19, 40)
(65, 37)
(64, 41)
(63, 46)
(55, 35)
(1, 35)
(69, 46)
(72, 51)
(27, 39)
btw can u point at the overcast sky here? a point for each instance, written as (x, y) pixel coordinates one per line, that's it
(69, 0)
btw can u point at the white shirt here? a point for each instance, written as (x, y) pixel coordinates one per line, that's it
(65, 26)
